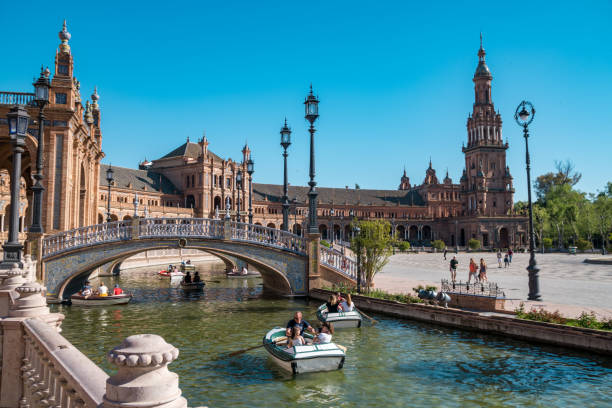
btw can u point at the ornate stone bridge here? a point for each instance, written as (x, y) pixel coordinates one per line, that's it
(289, 264)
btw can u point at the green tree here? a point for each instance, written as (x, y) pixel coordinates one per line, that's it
(438, 244)
(565, 175)
(540, 220)
(602, 208)
(373, 246)
(473, 243)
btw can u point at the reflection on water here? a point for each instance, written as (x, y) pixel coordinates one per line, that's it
(393, 364)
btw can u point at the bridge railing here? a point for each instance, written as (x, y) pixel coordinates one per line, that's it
(85, 236)
(180, 227)
(339, 262)
(272, 237)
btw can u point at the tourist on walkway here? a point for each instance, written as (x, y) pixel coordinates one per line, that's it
(499, 258)
(117, 290)
(325, 333)
(298, 321)
(510, 253)
(445, 251)
(483, 271)
(453, 268)
(102, 289)
(347, 305)
(506, 262)
(473, 271)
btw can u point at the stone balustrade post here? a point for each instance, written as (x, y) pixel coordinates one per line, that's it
(227, 229)
(314, 257)
(136, 228)
(143, 379)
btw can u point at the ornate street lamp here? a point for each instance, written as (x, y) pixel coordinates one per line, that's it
(109, 179)
(285, 133)
(524, 116)
(135, 202)
(312, 113)
(41, 92)
(239, 188)
(250, 170)
(331, 225)
(356, 232)
(18, 120)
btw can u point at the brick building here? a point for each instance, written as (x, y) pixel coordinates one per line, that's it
(193, 181)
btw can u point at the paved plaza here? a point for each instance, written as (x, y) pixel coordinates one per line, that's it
(567, 283)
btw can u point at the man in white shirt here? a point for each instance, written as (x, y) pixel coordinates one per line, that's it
(103, 289)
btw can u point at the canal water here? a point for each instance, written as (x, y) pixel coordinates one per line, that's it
(396, 363)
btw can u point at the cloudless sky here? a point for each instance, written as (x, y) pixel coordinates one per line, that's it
(394, 80)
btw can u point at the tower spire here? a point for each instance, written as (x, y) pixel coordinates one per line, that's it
(64, 36)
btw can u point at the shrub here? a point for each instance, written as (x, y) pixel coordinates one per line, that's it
(474, 243)
(325, 243)
(583, 244)
(404, 246)
(548, 243)
(438, 244)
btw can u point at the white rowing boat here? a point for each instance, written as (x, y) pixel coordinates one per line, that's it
(94, 300)
(303, 359)
(340, 320)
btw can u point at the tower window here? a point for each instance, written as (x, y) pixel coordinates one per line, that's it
(62, 69)
(60, 98)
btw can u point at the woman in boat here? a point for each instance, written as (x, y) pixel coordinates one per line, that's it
(196, 277)
(188, 277)
(102, 290)
(86, 290)
(347, 305)
(325, 333)
(332, 304)
(296, 338)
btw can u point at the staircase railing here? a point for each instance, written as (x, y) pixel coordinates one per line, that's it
(339, 262)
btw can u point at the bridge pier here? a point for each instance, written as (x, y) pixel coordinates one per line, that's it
(314, 256)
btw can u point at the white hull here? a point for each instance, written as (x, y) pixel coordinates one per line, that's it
(311, 365)
(345, 323)
(340, 320)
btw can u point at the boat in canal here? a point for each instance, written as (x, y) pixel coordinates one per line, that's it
(171, 275)
(94, 300)
(340, 320)
(309, 358)
(192, 285)
(241, 274)
(187, 267)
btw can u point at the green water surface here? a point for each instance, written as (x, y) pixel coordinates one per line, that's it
(396, 363)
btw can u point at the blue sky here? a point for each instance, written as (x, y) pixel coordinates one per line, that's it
(394, 80)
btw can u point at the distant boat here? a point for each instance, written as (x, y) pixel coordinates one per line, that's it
(95, 300)
(237, 274)
(341, 319)
(188, 268)
(171, 275)
(303, 359)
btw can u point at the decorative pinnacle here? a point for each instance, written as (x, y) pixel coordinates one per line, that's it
(94, 95)
(64, 36)
(311, 88)
(143, 350)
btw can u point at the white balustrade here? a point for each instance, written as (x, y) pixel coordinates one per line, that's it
(339, 262)
(180, 227)
(86, 236)
(268, 236)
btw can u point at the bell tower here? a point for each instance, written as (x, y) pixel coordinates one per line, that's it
(486, 182)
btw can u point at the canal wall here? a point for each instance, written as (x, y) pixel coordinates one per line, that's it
(508, 326)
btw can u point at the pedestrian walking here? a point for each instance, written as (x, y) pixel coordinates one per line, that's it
(445, 251)
(506, 261)
(483, 271)
(510, 255)
(453, 268)
(499, 259)
(473, 271)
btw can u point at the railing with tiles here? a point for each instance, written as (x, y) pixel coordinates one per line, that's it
(339, 262)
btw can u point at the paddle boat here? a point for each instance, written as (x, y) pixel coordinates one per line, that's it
(171, 275)
(309, 358)
(192, 285)
(340, 320)
(95, 300)
(241, 274)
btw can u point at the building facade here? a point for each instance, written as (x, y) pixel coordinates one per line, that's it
(192, 181)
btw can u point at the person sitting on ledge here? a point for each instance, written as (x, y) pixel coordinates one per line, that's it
(196, 277)
(188, 277)
(117, 290)
(102, 290)
(325, 334)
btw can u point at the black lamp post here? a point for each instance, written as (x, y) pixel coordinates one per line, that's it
(356, 232)
(41, 91)
(109, 179)
(524, 116)
(285, 133)
(239, 188)
(312, 113)
(18, 120)
(250, 170)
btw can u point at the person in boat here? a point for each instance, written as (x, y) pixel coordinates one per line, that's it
(189, 262)
(102, 290)
(86, 289)
(301, 323)
(196, 277)
(245, 271)
(117, 290)
(295, 338)
(347, 304)
(188, 277)
(332, 304)
(325, 334)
